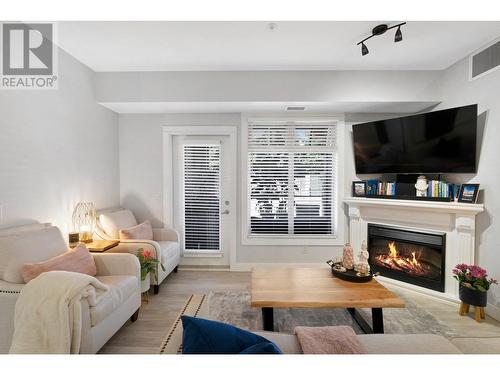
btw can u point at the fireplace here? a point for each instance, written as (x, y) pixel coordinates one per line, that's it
(409, 256)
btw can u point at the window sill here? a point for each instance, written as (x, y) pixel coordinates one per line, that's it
(264, 240)
(202, 254)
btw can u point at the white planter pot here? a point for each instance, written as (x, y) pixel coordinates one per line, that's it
(145, 284)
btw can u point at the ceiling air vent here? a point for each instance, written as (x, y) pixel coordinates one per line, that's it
(485, 61)
(295, 108)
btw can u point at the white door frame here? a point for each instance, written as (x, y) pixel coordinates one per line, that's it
(169, 132)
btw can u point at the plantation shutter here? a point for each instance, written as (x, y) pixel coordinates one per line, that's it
(291, 178)
(313, 180)
(201, 197)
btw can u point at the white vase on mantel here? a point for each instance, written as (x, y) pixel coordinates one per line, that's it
(145, 284)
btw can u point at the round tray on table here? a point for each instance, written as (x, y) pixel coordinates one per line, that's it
(349, 275)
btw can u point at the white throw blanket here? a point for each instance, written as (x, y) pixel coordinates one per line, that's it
(48, 313)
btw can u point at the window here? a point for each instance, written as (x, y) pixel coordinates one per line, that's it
(291, 179)
(201, 199)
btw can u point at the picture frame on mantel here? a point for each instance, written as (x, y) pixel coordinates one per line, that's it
(468, 193)
(359, 188)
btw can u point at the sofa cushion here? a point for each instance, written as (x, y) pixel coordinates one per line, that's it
(74, 260)
(24, 247)
(407, 344)
(142, 231)
(169, 250)
(112, 222)
(23, 228)
(287, 342)
(202, 336)
(377, 344)
(120, 289)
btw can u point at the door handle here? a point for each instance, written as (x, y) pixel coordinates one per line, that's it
(225, 212)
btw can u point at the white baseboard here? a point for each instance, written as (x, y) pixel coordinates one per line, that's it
(247, 267)
(215, 268)
(493, 311)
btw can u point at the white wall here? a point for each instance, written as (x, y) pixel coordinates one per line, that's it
(57, 147)
(268, 86)
(457, 90)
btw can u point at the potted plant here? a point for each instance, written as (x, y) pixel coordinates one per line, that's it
(148, 264)
(474, 284)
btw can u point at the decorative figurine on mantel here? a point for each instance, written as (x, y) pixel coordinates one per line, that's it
(363, 267)
(421, 186)
(348, 257)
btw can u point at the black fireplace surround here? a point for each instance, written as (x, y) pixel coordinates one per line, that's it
(409, 256)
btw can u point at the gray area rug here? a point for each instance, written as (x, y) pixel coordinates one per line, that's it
(234, 308)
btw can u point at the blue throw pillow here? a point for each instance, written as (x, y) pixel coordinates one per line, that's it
(202, 336)
(262, 348)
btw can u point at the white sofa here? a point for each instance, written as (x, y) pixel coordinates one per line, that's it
(165, 245)
(38, 242)
(377, 343)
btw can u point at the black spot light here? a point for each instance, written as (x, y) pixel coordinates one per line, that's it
(364, 49)
(399, 35)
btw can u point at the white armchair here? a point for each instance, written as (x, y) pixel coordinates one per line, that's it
(165, 244)
(39, 242)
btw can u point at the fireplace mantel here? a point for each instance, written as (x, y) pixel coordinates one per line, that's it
(449, 207)
(456, 220)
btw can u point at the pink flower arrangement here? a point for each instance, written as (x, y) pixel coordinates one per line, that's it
(148, 263)
(473, 277)
(147, 254)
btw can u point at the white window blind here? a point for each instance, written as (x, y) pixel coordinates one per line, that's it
(291, 178)
(201, 197)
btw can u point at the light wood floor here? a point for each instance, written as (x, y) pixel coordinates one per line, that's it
(147, 333)
(155, 318)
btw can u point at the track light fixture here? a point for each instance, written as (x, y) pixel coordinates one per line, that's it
(379, 30)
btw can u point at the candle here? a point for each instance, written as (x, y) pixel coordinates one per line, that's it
(348, 257)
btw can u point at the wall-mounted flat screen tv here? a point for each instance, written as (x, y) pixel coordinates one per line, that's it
(434, 142)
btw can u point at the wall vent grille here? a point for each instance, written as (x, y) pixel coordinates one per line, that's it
(485, 61)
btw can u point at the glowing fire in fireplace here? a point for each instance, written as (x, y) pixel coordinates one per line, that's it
(393, 253)
(397, 262)
(392, 250)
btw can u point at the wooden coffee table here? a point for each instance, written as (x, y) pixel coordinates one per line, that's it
(285, 287)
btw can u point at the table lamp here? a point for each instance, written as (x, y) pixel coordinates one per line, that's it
(84, 217)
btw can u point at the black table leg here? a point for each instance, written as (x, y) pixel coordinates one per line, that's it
(377, 320)
(268, 318)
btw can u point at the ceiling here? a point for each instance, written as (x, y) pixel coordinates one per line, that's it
(163, 46)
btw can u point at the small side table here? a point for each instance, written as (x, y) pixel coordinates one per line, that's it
(101, 246)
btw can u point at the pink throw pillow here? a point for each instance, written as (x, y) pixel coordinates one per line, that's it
(78, 260)
(143, 231)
